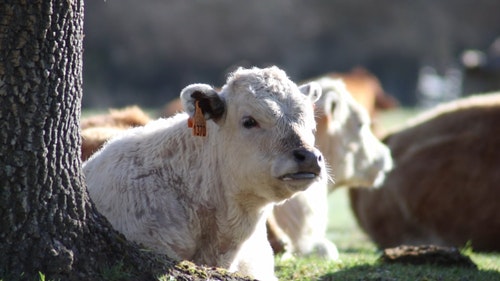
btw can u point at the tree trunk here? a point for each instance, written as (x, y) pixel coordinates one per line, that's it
(47, 223)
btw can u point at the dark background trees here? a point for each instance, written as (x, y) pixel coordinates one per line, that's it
(145, 52)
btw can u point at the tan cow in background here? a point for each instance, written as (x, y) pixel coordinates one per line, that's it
(131, 116)
(445, 185)
(367, 90)
(98, 129)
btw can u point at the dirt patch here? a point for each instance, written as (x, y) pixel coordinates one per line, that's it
(427, 254)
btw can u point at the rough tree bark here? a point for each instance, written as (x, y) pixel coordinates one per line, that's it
(47, 222)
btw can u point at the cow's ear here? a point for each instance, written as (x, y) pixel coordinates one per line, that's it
(206, 98)
(328, 103)
(312, 90)
(331, 96)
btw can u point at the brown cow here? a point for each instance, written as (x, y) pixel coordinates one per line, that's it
(367, 90)
(131, 116)
(97, 129)
(445, 185)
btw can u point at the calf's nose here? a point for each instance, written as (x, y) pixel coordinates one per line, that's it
(309, 160)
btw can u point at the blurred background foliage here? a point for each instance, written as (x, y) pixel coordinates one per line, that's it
(145, 52)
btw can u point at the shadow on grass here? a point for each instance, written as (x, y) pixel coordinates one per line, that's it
(400, 272)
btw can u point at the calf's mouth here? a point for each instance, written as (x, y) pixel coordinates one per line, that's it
(299, 176)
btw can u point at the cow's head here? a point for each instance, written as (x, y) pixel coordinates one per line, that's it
(356, 156)
(261, 129)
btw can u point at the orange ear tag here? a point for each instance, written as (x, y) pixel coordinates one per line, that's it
(198, 122)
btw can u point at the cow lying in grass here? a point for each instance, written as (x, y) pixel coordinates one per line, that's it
(131, 116)
(444, 188)
(97, 129)
(356, 158)
(206, 197)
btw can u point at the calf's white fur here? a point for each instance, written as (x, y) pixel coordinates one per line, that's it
(206, 199)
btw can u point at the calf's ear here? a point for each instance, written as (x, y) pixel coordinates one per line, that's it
(205, 98)
(312, 90)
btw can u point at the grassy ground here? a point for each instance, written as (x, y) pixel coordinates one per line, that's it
(359, 256)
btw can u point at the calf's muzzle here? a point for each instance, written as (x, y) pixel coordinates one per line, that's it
(309, 164)
(308, 160)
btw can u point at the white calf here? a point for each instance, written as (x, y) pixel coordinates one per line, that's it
(206, 199)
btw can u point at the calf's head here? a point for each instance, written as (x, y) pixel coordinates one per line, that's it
(356, 156)
(260, 127)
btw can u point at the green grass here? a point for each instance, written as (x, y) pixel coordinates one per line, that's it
(359, 257)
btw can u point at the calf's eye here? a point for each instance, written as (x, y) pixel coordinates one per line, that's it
(249, 122)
